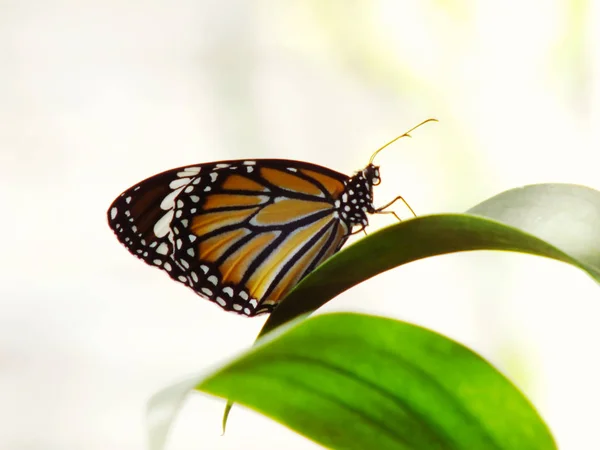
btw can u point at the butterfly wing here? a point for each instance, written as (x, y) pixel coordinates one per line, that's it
(239, 233)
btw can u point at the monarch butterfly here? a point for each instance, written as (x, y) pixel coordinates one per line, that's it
(243, 233)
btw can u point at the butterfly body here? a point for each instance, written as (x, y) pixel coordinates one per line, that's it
(242, 233)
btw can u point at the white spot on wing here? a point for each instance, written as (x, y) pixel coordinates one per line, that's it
(228, 291)
(189, 172)
(113, 212)
(161, 227)
(169, 201)
(175, 184)
(163, 249)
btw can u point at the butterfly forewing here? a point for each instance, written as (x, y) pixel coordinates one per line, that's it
(239, 233)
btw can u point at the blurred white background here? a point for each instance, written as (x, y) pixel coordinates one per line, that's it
(95, 96)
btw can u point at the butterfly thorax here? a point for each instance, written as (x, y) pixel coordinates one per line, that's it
(357, 199)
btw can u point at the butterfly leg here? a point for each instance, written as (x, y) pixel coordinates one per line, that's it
(362, 229)
(381, 209)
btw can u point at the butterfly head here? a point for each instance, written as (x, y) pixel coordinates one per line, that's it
(371, 175)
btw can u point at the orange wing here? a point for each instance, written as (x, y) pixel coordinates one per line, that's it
(239, 233)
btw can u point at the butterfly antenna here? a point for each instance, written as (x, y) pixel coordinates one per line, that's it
(406, 134)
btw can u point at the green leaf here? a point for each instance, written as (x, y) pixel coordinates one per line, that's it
(563, 214)
(405, 242)
(566, 215)
(355, 381)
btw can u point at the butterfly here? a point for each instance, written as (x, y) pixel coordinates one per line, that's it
(243, 233)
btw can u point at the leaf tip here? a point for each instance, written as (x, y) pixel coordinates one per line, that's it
(225, 416)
